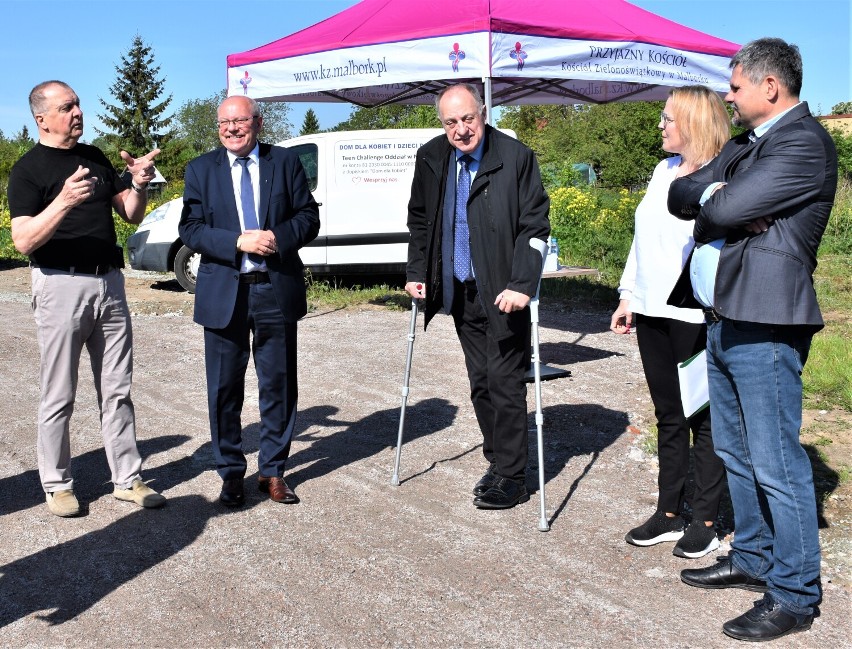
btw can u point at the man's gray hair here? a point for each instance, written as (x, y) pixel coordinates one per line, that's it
(37, 98)
(771, 56)
(472, 89)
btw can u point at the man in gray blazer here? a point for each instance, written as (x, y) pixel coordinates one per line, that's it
(760, 210)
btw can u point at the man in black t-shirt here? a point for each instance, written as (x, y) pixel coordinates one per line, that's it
(61, 198)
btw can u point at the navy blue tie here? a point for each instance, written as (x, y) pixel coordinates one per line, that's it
(247, 201)
(461, 240)
(247, 197)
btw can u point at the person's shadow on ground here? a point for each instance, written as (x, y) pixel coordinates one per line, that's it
(91, 476)
(67, 579)
(570, 431)
(357, 440)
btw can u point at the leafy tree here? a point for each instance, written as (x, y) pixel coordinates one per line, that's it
(843, 144)
(622, 142)
(23, 140)
(136, 122)
(843, 108)
(276, 121)
(195, 123)
(619, 140)
(10, 151)
(196, 132)
(390, 116)
(310, 124)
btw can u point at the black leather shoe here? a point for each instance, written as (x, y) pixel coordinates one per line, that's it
(486, 481)
(766, 621)
(232, 493)
(503, 494)
(722, 574)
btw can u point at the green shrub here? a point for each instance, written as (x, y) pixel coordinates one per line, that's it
(838, 234)
(7, 248)
(594, 227)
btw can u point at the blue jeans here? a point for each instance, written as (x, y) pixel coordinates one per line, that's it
(754, 376)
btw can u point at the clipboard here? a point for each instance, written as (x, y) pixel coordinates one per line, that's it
(692, 375)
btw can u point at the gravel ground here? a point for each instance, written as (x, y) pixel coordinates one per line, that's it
(359, 563)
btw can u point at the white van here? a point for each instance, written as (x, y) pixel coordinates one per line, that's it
(362, 182)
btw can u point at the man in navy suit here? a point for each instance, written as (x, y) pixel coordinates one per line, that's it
(760, 210)
(248, 209)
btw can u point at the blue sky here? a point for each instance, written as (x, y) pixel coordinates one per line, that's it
(81, 42)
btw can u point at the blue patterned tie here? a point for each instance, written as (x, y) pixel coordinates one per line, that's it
(461, 241)
(247, 201)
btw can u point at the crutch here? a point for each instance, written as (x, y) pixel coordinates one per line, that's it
(395, 477)
(543, 525)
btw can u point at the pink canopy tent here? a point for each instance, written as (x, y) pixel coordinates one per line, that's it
(521, 51)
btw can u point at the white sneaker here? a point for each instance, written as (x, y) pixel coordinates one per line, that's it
(63, 503)
(141, 494)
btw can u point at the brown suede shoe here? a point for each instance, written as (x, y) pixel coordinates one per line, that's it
(278, 490)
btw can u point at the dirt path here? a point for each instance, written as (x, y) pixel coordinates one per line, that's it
(358, 563)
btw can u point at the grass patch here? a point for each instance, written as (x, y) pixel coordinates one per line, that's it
(588, 292)
(338, 294)
(838, 233)
(648, 442)
(827, 377)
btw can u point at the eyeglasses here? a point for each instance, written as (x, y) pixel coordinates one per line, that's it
(239, 121)
(665, 119)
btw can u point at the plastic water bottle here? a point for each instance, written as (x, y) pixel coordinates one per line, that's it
(551, 263)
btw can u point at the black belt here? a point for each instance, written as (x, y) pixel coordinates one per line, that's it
(710, 314)
(259, 277)
(96, 269)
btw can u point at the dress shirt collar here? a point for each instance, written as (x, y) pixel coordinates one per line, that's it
(476, 154)
(760, 131)
(253, 156)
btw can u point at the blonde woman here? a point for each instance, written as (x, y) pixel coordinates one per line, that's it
(694, 125)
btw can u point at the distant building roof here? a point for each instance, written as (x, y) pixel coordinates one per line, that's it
(842, 123)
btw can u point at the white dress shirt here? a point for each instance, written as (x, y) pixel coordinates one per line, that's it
(248, 266)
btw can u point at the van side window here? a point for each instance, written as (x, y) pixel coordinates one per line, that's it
(308, 155)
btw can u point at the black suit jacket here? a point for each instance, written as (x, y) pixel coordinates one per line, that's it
(789, 174)
(210, 225)
(508, 207)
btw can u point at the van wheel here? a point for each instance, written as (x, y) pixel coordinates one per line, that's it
(186, 267)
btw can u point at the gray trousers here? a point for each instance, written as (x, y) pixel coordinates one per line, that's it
(71, 311)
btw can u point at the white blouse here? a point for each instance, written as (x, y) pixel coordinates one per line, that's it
(661, 245)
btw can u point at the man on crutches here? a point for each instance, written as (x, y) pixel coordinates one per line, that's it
(478, 218)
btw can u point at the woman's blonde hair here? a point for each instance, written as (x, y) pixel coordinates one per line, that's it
(702, 120)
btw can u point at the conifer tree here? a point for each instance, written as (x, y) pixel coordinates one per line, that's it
(310, 125)
(135, 121)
